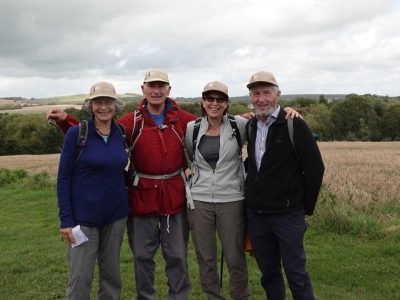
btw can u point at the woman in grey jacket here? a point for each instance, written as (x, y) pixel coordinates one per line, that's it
(217, 190)
(216, 185)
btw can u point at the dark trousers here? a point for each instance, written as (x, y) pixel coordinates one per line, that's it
(277, 240)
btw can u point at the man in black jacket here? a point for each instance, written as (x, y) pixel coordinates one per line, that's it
(282, 186)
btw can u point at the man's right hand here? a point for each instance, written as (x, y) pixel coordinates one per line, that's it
(56, 114)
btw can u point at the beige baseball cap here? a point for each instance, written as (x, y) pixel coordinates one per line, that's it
(216, 86)
(156, 75)
(262, 76)
(102, 89)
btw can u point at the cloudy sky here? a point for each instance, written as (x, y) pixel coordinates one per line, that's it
(60, 47)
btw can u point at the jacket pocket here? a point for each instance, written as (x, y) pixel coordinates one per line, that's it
(274, 194)
(145, 198)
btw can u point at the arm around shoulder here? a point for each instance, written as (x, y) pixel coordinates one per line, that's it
(241, 122)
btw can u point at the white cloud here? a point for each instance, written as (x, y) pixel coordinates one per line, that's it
(61, 47)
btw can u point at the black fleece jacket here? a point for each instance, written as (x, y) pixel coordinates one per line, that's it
(289, 178)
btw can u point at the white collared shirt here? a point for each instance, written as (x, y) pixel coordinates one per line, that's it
(261, 138)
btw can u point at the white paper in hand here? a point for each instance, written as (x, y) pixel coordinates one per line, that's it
(79, 236)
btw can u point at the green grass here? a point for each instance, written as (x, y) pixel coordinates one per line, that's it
(33, 264)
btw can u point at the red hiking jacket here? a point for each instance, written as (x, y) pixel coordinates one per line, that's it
(158, 151)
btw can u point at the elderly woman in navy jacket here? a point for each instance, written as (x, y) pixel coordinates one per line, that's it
(91, 193)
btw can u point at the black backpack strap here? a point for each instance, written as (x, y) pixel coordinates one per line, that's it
(247, 130)
(82, 139)
(196, 129)
(290, 129)
(289, 122)
(122, 131)
(236, 132)
(138, 124)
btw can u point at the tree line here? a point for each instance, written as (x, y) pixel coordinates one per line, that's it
(354, 118)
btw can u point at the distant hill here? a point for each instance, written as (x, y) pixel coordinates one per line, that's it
(330, 97)
(128, 97)
(69, 99)
(25, 105)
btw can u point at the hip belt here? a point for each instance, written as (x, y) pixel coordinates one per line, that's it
(189, 198)
(149, 176)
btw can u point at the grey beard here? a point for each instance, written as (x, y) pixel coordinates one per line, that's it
(267, 113)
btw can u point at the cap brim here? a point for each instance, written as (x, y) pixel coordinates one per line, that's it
(250, 85)
(221, 92)
(101, 95)
(156, 79)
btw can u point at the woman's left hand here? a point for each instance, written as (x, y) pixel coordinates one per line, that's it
(291, 113)
(248, 115)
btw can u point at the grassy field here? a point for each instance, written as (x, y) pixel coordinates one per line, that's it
(352, 244)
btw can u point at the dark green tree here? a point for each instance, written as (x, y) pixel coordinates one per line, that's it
(319, 120)
(322, 100)
(238, 108)
(193, 108)
(390, 123)
(78, 114)
(28, 134)
(129, 107)
(356, 118)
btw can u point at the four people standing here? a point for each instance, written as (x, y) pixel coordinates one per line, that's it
(157, 200)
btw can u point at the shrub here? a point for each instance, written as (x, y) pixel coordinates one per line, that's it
(344, 217)
(38, 181)
(11, 176)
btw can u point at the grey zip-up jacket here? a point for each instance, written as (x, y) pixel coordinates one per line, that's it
(225, 182)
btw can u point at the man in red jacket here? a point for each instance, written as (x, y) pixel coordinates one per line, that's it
(157, 197)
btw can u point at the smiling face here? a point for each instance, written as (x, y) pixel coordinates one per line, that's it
(265, 99)
(215, 104)
(103, 109)
(156, 92)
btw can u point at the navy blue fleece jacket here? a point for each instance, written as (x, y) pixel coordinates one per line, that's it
(92, 192)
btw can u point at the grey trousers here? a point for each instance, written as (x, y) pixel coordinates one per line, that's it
(104, 245)
(228, 220)
(145, 236)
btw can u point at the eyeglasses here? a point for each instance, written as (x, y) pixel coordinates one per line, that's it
(211, 99)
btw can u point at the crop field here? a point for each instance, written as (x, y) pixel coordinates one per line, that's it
(360, 172)
(40, 108)
(31, 163)
(352, 243)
